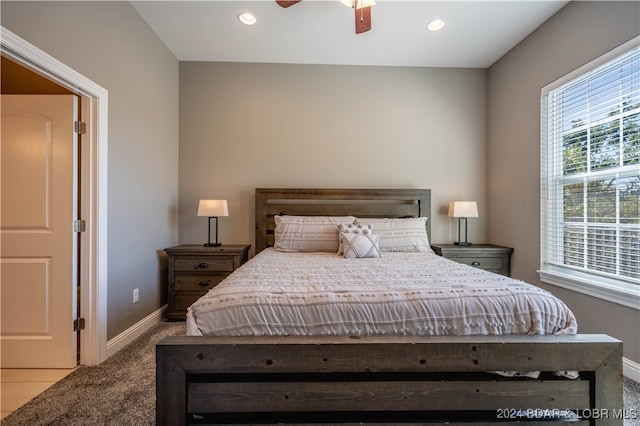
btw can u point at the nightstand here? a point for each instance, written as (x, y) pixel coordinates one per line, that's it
(195, 269)
(484, 256)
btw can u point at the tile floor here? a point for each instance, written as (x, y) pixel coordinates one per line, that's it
(19, 386)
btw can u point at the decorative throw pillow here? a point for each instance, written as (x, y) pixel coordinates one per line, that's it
(360, 245)
(401, 234)
(308, 233)
(352, 229)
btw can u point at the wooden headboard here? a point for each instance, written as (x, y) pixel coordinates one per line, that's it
(336, 202)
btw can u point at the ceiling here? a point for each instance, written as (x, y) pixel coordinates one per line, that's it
(476, 34)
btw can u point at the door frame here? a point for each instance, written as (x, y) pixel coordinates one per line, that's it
(93, 188)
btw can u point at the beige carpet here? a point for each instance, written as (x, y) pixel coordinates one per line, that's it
(121, 391)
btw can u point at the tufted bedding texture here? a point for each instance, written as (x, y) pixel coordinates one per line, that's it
(415, 293)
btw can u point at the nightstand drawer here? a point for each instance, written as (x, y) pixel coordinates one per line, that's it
(484, 256)
(197, 282)
(183, 300)
(481, 262)
(195, 269)
(218, 263)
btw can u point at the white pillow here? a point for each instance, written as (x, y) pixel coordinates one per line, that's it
(405, 234)
(352, 229)
(308, 233)
(360, 245)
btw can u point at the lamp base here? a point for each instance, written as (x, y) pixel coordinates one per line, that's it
(462, 243)
(209, 243)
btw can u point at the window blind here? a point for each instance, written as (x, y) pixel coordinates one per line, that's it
(590, 170)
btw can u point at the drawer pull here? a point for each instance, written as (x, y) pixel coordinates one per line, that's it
(475, 263)
(204, 283)
(203, 265)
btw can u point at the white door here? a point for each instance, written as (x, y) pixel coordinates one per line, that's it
(38, 244)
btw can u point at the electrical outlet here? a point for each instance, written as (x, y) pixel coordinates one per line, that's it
(136, 295)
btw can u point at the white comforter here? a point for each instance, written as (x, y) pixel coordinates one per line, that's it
(299, 294)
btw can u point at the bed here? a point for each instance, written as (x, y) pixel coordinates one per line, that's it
(413, 371)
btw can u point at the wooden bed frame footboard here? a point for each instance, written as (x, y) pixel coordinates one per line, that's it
(390, 380)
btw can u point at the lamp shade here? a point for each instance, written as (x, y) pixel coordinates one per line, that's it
(213, 208)
(359, 4)
(463, 209)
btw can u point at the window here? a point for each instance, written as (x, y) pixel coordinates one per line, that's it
(590, 170)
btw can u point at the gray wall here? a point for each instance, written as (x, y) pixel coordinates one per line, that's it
(577, 34)
(110, 44)
(244, 126)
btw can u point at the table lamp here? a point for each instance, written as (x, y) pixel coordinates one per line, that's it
(213, 209)
(463, 210)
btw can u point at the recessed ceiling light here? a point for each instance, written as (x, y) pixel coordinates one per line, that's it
(247, 18)
(435, 25)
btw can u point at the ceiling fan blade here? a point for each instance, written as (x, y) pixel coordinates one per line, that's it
(287, 3)
(363, 19)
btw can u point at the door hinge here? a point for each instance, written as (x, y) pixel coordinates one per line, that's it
(79, 225)
(78, 324)
(80, 127)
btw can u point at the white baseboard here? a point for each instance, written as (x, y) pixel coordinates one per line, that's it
(135, 331)
(631, 369)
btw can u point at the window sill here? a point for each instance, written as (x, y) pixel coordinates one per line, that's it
(609, 291)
